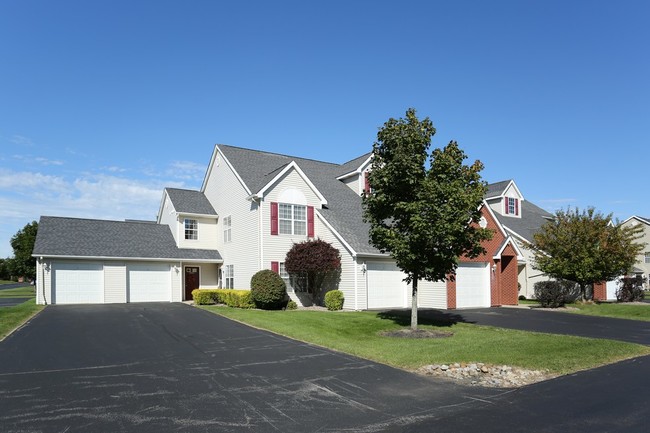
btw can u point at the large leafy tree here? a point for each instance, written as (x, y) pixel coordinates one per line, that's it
(423, 208)
(586, 247)
(23, 264)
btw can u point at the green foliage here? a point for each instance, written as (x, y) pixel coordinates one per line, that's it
(585, 247)
(291, 305)
(313, 264)
(425, 217)
(334, 300)
(268, 290)
(23, 264)
(554, 294)
(630, 289)
(229, 297)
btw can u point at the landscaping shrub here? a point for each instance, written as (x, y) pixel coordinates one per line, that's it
(630, 289)
(334, 300)
(291, 305)
(229, 297)
(268, 290)
(522, 298)
(554, 294)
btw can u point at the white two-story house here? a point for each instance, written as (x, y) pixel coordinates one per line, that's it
(251, 208)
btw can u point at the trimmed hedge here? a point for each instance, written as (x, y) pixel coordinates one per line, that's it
(334, 300)
(229, 297)
(268, 290)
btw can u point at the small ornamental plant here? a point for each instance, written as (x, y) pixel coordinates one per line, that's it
(334, 300)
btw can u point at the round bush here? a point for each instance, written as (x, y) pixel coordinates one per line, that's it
(291, 305)
(334, 300)
(268, 290)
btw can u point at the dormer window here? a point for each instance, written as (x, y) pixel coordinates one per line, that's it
(512, 206)
(191, 229)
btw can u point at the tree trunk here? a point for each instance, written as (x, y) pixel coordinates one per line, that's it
(583, 292)
(414, 304)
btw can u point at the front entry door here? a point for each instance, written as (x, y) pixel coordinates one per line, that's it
(191, 281)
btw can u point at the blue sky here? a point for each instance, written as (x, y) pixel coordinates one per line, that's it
(104, 103)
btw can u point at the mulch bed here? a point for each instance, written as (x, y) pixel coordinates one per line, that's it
(419, 333)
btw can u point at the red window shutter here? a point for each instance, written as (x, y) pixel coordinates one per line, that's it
(310, 221)
(507, 205)
(275, 267)
(274, 218)
(516, 207)
(366, 186)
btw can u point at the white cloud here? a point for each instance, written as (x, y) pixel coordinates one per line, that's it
(21, 140)
(186, 170)
(38, 160)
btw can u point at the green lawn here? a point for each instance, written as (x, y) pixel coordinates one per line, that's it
(622, 311)
(6, 282)
(357, 333)
(13, 317)
(27, 292)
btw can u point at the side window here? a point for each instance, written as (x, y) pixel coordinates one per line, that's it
(227, 229)
(229, 277)
(647, 257)
(191, 229)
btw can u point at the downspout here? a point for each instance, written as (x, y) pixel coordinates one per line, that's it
(356, 284)
(43, 280)
(261, 231)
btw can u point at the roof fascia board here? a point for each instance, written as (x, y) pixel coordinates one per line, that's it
(225, 159)
(357, 171)
(162, 204)
(198, 215)
(509, 240)
(284, 171)
(151, 259)
(638, 218)
(494, 218)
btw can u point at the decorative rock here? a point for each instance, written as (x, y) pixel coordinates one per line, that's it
(444, 367)
(484, 369)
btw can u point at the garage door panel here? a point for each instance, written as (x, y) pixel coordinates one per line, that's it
(386, 288)
(149, 283)
(473, 285)
(78, 283)
(432, 294)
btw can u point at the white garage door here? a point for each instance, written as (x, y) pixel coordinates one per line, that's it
(78, 283)
(472, 285)
(611, 287)
(432, 294)
(385, 286)
(149, 283)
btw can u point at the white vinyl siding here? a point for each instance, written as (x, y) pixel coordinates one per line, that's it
(168, 217)
(228, 197)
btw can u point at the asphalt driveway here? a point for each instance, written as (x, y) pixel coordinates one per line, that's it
(170, 367)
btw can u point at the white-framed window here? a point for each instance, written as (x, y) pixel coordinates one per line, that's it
(283, 272)
(512, 207)
(191, 229)
(647, 257)
(292, 219)
(227, 229)
(229, 276)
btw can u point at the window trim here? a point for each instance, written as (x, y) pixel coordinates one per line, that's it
(227, 229)
(293, 219)
(228, 273)
(187, 230)
(515, 206)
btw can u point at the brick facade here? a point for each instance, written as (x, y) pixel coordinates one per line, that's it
(503, 271)
(600, 292)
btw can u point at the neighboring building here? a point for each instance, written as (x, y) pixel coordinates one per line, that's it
(521, 219)
(252, 207)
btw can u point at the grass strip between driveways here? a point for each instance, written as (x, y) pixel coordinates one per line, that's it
(357, 333)
(621, 311)
(12, 317)
(19, 292)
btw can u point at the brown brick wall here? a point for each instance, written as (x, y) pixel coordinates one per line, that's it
(503, 280)
(600, 292)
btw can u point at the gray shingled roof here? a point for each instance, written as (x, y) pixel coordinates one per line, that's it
(344, 211)
(350, 166)
(647, 220)
(497, 188)
(532, 219)
(190, 201)
(58, 236)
